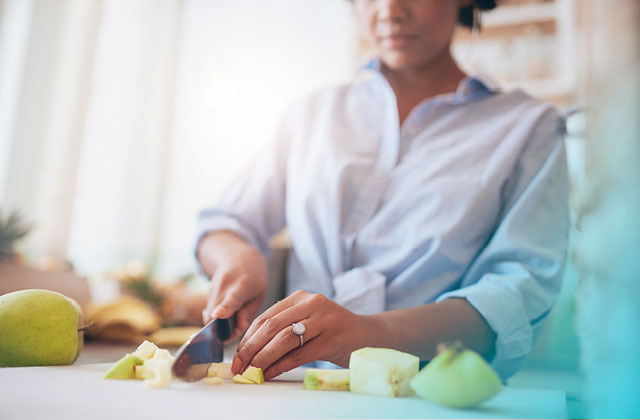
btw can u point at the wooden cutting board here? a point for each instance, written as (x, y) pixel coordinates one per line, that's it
(79, 392)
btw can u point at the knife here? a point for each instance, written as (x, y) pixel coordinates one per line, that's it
(203, 348)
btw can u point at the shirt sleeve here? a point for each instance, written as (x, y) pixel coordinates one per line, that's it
(516, 278)
(253, 206)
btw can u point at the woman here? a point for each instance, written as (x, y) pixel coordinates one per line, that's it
(423, 206)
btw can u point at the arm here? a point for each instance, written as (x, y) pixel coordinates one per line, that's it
(234, 236)
(418, 330)
(511, 286)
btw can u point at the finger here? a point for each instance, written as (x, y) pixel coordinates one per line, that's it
(284, 342)
(272, 311)
(252, 344)
(309, 352)
(214, 298)
(244, 316)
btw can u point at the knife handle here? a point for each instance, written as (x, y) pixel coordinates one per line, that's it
(224, 327)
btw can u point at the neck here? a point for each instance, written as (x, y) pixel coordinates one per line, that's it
(435, 78)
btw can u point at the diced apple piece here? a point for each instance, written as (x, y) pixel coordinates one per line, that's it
(239, 379)
(145, 350)
(216, 380)
(162, 354)
(384, 372)
(123, 368)
(161, 374)
(326, 379)
(254, 374)
(222, 370)
(138, 372)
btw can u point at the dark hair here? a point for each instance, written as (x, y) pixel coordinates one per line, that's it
(466, 15)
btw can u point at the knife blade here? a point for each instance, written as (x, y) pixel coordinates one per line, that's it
(203, 348)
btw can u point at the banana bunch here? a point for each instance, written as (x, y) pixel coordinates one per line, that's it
(127, 320)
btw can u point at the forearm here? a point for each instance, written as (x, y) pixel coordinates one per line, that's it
(418, 330)
(218, 246)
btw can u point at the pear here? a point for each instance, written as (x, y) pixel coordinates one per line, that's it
(457, 377)
(38, 328)
(124, 368)
(384, 372)
(326, 379)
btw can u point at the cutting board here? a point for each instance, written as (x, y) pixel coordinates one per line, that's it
(79, 392)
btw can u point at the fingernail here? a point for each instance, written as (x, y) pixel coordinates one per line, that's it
(236, 365)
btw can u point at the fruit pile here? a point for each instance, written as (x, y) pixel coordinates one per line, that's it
(153, 365)
(456, 377)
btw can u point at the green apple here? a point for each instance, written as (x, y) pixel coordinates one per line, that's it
(326, 379)
(457, 377)
(384, 372)
(124, 368)
(38, 328)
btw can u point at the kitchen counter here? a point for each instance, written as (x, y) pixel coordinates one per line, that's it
(78, 391)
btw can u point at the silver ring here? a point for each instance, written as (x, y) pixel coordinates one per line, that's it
(299, 330)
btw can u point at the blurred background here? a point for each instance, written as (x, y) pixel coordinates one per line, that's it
(120, 120)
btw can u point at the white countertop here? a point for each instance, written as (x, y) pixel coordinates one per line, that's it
(78, 391)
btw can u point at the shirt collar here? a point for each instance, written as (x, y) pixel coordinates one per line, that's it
(472, 87)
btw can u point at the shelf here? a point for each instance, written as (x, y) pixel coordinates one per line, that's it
(520, 15)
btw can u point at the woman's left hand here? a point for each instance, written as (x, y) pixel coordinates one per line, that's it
(331, 333)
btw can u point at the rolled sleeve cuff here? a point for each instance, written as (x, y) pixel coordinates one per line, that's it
(220, 223)
(504, 313)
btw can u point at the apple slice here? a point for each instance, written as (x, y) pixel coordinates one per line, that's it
(145, 350)
(161, 374)
(326, 379)
(252, 375)
(457, 377)
(124, 368)
(222, 370)
(384, 372)
(239, 379)
(216, 380)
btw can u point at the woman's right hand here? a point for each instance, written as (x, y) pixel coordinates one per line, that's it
(238, 279)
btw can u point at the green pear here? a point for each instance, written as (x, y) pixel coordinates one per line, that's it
(457, 377)
(37, 328)
(326, 379)
(124, 368)
(384, 372)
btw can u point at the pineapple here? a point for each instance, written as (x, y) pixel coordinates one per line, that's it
(11, 231)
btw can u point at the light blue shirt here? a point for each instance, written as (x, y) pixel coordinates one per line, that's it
(467, 199)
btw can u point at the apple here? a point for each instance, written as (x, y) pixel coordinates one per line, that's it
(326, 379)
(252, 375)
(161, 373)
(146, 350)
(457, 377)
(221, 370)
(215, 380)
(384, 372)
(124, 368)
(38, 328)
